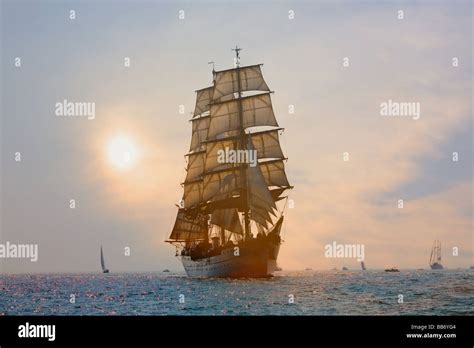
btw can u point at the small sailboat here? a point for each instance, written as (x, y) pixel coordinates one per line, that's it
(102, 262)
(435, 258)
(345, 268)
(362, 265)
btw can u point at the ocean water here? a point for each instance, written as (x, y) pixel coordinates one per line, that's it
(425, 292)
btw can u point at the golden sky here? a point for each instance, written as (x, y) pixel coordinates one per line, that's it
(337, 110)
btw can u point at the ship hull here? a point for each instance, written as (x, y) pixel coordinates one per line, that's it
(257, 261)
(436, 266)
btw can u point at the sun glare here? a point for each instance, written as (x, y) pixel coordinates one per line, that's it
(121, 151)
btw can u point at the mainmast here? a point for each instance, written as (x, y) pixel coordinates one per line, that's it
(242, 145)
(439, 252)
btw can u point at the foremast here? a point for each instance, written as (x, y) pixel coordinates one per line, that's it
(243, 145)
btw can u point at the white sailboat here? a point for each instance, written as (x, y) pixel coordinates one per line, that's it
(102, 262)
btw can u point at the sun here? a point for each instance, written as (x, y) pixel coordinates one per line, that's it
(121, 151)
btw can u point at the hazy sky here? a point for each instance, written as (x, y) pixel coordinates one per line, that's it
(337, 109)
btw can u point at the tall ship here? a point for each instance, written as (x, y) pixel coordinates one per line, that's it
(230, 216)
(435, 258)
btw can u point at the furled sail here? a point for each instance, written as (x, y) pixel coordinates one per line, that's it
(226, 81)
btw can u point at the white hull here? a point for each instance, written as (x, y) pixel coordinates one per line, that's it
(248, 264)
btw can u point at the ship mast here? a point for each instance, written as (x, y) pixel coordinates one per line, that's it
(242, 145)
(439, 252)
(431, 256)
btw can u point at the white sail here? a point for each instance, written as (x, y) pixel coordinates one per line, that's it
(195, 167)
(102, 262)
(228, 219)
(221, 185)
(260, 199)
(266, 143)
(200, 127)
(192, 193)
(204, 99)
(215, 186)
(274, 173)
(256, 111)
(260, 216)
(225, 183)
(187, 228)
(226, 81)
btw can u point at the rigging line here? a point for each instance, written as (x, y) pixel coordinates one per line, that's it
(287, 168)
(284, 220)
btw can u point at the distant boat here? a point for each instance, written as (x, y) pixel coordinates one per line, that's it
(102, 262)
(345, 268)
(166, 271)
(308, 269)
(435, 258)
(362, 264)
(393, 269)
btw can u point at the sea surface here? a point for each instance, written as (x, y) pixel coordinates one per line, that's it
(425, 292)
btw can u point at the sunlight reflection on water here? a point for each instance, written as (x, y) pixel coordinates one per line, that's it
(426, 292)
